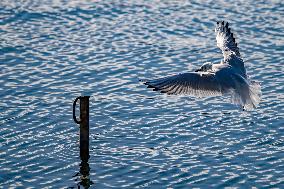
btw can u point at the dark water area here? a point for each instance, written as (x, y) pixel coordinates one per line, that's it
(52, 51)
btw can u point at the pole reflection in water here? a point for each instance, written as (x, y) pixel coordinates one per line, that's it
(84, 141)
(85, 175)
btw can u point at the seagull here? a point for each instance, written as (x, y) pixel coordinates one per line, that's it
(226, 78)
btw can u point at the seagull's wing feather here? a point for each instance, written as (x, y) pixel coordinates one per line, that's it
(225, 39)
(227, 43)
(198, 84)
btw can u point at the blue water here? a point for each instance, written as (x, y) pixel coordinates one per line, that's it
(53, 51)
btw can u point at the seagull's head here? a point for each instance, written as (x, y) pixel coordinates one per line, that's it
(205, 67)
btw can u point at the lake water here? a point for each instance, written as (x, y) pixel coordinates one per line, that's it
(55, 50)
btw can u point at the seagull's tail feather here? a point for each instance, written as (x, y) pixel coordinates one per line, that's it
(248, 95)
(255, 93)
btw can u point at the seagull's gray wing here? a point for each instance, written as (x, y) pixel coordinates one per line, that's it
(225, 39)
(227, 43)
(198, 84)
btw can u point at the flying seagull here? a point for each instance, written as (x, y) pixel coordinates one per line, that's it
(226, 78)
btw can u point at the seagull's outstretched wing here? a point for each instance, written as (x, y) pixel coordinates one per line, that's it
(198, 84)
(225, 40)
(227, 43)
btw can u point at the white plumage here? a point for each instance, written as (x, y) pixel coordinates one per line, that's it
(226, 78)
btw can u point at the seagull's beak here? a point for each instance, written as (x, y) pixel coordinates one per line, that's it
(198, 70)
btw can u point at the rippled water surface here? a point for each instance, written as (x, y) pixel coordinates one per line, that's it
(55, 50)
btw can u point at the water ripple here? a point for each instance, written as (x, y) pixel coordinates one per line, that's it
(54, 51)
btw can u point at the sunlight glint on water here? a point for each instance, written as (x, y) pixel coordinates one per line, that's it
(53, 51)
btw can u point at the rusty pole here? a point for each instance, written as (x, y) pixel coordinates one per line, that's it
(84, 126)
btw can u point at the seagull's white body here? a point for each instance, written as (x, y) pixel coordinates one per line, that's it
(226, 78)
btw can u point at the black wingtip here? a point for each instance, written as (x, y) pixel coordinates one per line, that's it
(224, 23)
(227, 25)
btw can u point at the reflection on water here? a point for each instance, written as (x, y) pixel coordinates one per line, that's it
(83, 176)
(54, 51)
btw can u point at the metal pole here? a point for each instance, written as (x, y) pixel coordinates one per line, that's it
(84, 139)
(84, 126)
